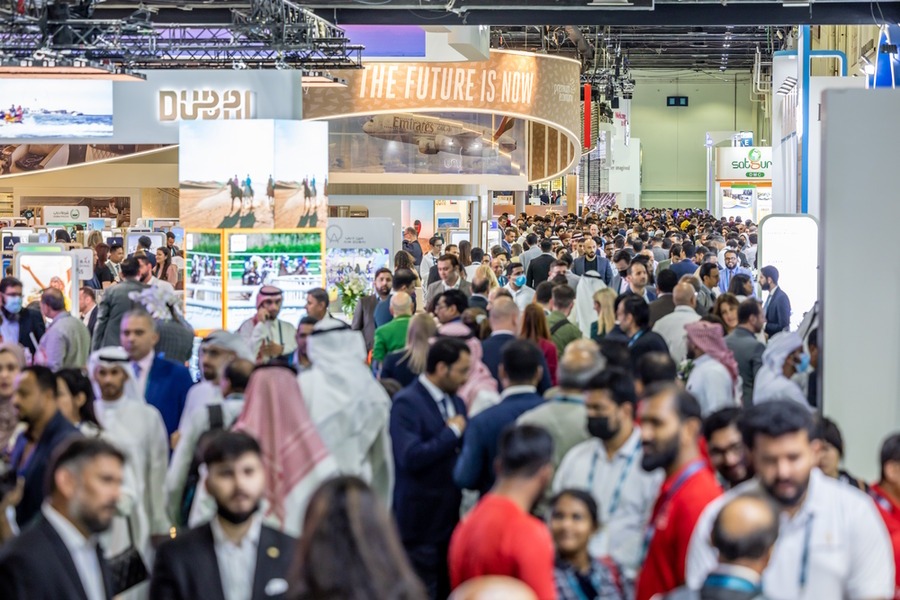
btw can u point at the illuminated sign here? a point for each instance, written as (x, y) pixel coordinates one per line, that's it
(206, 105)
(743, 163)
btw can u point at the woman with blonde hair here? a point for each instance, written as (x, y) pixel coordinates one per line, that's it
(488, 273)
(404, 366)
(535, 329)
(604, 304)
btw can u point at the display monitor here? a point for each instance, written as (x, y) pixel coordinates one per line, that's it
(341, 263)
(203, 285)
(157, 240)
(292, 260)
(56, 108)
(40, 270)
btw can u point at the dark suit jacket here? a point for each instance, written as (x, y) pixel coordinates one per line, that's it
(492, 349)
(649, 341)
(112, 308)
(92, 322)
(37, 566)
(394, 368)
(539, 270)
(603, 268)
(748, 353)
(475, 467)
(778, 313)
(426, 501)
(436, 289)
(476, 301)
(167, 388)
(35, 468)
(186, 567)
(364, 319)
(662, 306)
(31, 321)
(415, 249)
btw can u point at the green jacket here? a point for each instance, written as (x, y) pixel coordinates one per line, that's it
(563, 334)
(389, 337)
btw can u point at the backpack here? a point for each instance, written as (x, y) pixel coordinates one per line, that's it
(216, 424)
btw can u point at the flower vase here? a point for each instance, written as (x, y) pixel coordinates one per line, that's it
(348, 304)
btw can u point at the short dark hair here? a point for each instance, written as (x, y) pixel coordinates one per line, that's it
(546, 245)
(74, 452)
(890, 451)
(748, 309)
(622, 255)
(775, 419)
(706, 268)
(827, 430)
(618, 382)
(544, 292)
(751, 545)
(79, 383)
(453, 298)
(229, 445)
(513, 266)
(477, 254)
(480, 285)
(320, 295)
(114, 247)
(53, 299)
(237, 372)
(381, 271)
(812, 339)
(770, 272)
(686, 404)
(523, 450)
(170, 235)
(444, 350)
(582, 496)
(638, 308)
(145, 241)
(454, 262)
(433, 240)
(46, 380)
(725, 417)
(89, 292)
(563, 296)
(656, 367)
(8, 282)
(130, 267)
(403, 278)
(676, 249)
(666, 281)
(521, 360)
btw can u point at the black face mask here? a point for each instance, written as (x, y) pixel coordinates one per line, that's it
(599, 427)
(236, 518)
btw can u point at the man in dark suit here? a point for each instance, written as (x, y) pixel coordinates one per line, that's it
(504, 320)
(450, 277)
(84, 488)
(744, 533)
(162, 383)
(745, 346)
(520, 372)
(115, 304)
(427, 423)
(87, 306)
(188, 567)
(18, 324)
(664, 303)
(144, 243)
(47, 428)
(591, 261)
(364, 315)
(539, 267)
(404, 281)
(411, 244)
(778, 305)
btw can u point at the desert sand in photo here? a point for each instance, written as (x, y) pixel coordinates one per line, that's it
(215, 208)
(296, 210)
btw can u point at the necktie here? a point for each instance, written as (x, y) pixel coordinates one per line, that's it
(137, 370)
(766, 304)
(445, 406)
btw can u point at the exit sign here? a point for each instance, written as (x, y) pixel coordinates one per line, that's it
(676, 101)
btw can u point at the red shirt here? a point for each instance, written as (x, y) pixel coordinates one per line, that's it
(499, 538)
(674, 516)
(890, 512)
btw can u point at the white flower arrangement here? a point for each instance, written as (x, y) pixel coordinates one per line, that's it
(352, 287)
(157, 301)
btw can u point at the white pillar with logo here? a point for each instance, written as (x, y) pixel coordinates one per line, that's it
(743, 188)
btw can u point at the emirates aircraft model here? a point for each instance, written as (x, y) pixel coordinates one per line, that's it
(433, 134)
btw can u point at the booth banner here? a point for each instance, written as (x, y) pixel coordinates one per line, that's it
(790, 243)
(241, 174)
(744, 163)
(357, 246)
(65, 214)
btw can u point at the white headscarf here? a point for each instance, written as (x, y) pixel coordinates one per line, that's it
(230, 342)
(770, 383)
(114, 356)
(348, 405)
(584, 312)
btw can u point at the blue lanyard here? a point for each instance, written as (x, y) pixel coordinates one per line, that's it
(635, 338)
(730, 582)
(617, 491)
(689, 471)
(574, 586)
(804, 560)
(881, 501)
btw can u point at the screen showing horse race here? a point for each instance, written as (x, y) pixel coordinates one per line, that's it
(55, 109)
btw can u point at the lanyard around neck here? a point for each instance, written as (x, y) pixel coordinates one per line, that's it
(689, 471)
(620, 483)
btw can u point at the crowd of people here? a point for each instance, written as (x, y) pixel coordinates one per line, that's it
(611, 407)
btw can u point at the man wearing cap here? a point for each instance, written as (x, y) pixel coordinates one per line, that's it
(268, 336)
(217, 350)
(714, 379)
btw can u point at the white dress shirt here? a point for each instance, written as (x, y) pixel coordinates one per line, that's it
(671, 328)
(82, 550)
(86, 317)
(849, 551)
(237, 562)
(9, 330)
(623, 530)
(712, 385)
(447, 410)
(522, 297)
(142, 370)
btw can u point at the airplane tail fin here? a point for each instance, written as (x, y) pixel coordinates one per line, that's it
(505, 125)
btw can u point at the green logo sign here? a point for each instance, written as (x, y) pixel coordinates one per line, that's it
(75, 214)
(754, 163)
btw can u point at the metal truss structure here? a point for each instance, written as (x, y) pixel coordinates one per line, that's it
(268, 34)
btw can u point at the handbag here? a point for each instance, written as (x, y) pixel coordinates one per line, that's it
(127, 569)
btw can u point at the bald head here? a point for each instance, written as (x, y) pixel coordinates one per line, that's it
(401, 304)
(580, 361)
(504, 314)
(493, 588)
(684, 294)
(745, 531)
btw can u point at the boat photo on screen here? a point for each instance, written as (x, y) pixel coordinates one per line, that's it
(55, 109)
